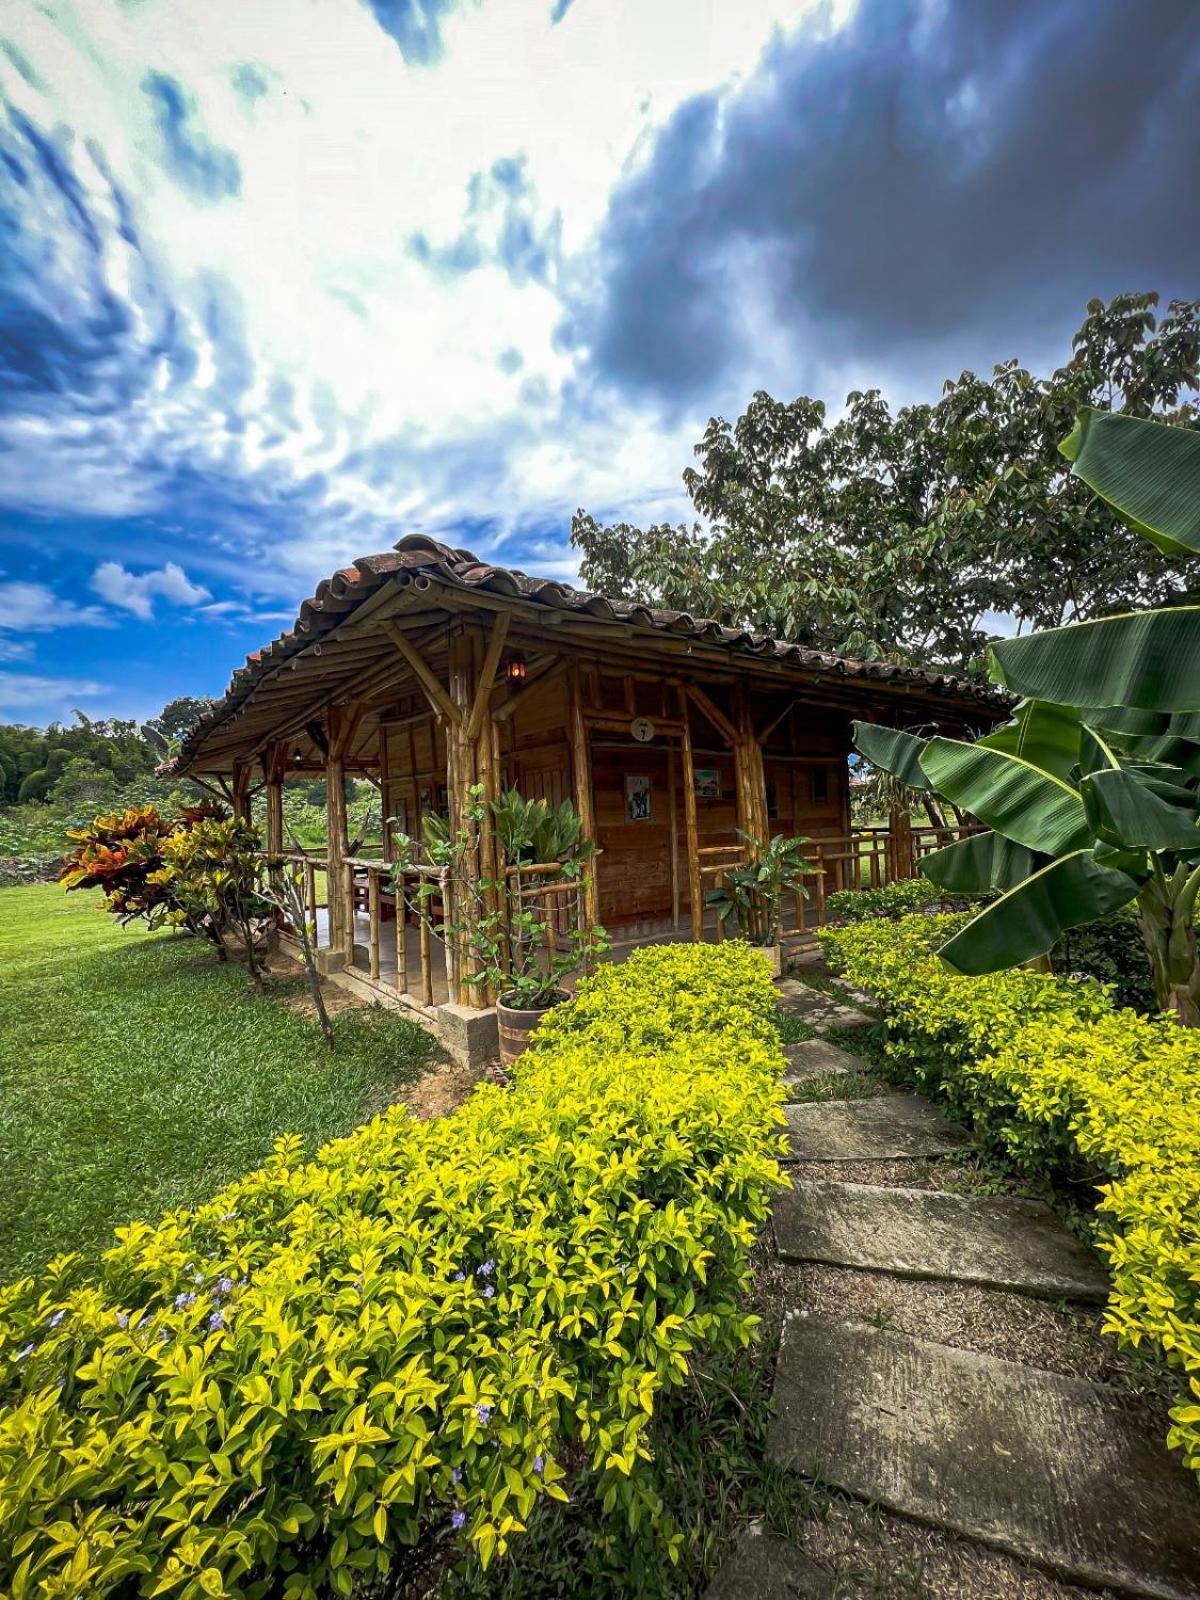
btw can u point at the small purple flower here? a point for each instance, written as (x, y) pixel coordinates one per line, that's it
(488, 1291)
(539, 1465)
(57, 1318)
(23, 1355)
(460, 1277)
(224, 1285)
(486, 1270)
(216, 1321)
(456, 1475)
(184, 1300)
(122, 1319)
(164, 1335)
(458, 1520)
(484, 1413)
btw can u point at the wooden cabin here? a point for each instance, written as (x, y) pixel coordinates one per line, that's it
(427, 671)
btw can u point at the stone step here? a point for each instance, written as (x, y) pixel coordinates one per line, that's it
(818, 1008)
(884, 1129)
(764, 1567)
(995, 1241)
(817, 1058)
(1057, 1471)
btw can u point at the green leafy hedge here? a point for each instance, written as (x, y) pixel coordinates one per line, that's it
(414, 1335)
(1049, 1071)
(897, 899)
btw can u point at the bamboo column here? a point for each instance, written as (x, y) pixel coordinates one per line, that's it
(690, 824)
(673, 829)
(581, 761)
(240, 785)
(341, 723)
(274, 769)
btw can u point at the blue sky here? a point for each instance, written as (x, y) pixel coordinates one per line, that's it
(282, 282)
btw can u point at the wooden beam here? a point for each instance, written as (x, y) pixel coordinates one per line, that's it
(716, 716)
(765, 733)
(540, 672)
(487, 675)
(316, 733)
(433, 689)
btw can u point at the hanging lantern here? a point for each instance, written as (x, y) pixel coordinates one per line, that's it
(515, 670)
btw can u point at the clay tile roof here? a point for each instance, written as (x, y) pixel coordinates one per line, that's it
(347, 588)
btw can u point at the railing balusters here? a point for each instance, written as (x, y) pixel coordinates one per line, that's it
(373, 918)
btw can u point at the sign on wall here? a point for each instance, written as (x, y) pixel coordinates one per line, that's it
(637, 797)
(708, 783)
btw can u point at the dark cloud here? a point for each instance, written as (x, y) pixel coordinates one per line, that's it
(415, 25)
(205, 169)
(977, 165)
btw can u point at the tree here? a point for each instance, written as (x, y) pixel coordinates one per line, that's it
(1092, 791)
(178, 716)
(902, 534)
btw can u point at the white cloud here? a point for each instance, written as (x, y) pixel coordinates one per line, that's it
(27, 690)
(136, 592)
(15, 649)
(277, 336)
(35, 608)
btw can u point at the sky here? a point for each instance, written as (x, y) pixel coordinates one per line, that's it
(282, 281)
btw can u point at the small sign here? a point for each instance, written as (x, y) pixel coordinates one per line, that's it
(642, 729)
(708, 783)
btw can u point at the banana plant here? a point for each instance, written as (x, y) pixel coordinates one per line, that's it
(1091, 792)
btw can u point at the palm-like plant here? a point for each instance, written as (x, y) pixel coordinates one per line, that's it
(752, 895)
(1092, 791)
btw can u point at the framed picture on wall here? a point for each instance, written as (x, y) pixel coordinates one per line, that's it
(708, 783)
(637, 798)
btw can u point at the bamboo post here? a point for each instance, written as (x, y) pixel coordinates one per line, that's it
(691, 826)
(427, 962)
(274, 767)
(581, 760)
(341, 909)
(240, 785)
(401, 937)
(310, 895)
(373, 914)
(673, 827)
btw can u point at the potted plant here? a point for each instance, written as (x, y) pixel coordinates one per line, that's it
(524, 929)
(751, 895)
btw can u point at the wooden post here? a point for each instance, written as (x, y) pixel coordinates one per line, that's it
(341, 724)
(241, 790)
(274, 768)
(691, 827)
(581, 761)
(673, 828)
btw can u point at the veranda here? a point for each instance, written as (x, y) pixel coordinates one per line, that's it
(433, 674)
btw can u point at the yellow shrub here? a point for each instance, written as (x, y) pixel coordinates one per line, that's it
(1047, 1069)
(410, 1334)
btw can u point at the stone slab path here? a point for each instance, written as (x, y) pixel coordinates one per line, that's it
(763, 1567)
(884, 1129)
(1056, 1471)
(819, 1008)
(1052, 1469)
(993, 1240)
(817, 1058)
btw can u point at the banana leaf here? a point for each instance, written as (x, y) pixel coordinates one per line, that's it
(1148, 660)
(1029, 920)
(892, 750)
(1043, 734)
(1149, 472)
(1126, 813)
(1017, 799)
(984, 861)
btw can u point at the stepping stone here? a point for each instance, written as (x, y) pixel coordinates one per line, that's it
(884, 1129)
(763, 1567)
(998, 1242)
(1054, 1470)
(816, 1007)
(817, 1058)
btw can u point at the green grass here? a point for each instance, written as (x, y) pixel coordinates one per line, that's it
(137, 1074)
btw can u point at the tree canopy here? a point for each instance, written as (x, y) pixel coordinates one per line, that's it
(905, 534)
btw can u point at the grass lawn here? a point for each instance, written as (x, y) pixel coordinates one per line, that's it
(136, 1074)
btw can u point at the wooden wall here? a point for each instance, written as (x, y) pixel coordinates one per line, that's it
(805, 765)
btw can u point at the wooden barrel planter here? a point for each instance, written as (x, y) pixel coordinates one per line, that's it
(517, 1024)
